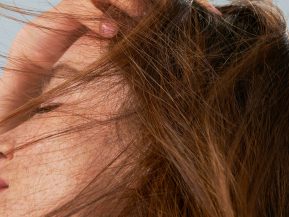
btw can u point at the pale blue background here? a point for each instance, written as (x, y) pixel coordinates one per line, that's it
(9, 28)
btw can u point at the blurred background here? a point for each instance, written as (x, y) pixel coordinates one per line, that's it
(9, 28)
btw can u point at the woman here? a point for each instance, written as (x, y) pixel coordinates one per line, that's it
(152, 108)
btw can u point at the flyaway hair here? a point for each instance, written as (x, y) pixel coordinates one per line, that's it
(207, 110)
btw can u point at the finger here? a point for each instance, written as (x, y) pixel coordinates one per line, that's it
(210, 7)
(134, 8)
(88, 15)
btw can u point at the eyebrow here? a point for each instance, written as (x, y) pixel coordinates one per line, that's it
(59, 71)
(63, 70)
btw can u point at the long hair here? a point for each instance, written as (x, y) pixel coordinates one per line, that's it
(207, 111)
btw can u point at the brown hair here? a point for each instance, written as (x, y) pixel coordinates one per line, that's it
(208, 108)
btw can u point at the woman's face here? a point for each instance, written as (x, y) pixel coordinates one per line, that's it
(47, 174)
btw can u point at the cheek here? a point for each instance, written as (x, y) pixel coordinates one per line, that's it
(55, 169)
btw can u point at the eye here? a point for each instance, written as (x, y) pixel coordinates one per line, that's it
(47, 108)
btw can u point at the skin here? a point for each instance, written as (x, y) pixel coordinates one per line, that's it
(36, 50)
(58, 165)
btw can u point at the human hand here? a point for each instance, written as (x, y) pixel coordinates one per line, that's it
(41, 43)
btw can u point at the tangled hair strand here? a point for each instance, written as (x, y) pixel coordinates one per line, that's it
(208, 110)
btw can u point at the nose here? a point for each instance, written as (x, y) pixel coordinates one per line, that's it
(6, 151)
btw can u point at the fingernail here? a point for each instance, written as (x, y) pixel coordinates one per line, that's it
(108, 29)
(215, 10)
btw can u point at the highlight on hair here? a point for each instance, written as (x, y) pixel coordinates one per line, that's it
(207, 111)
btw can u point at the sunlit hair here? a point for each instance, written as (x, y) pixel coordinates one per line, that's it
(207, 109)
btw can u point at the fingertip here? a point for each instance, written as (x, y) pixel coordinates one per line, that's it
(108, 29)
(210, 7)
(215, 10)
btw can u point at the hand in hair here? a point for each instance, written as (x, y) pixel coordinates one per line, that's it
(41, 43)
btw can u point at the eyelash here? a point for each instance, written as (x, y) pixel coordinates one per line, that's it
(48, 108)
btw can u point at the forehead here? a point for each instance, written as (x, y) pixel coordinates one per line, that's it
(85, 51)
(100, 96)
(95, 101)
